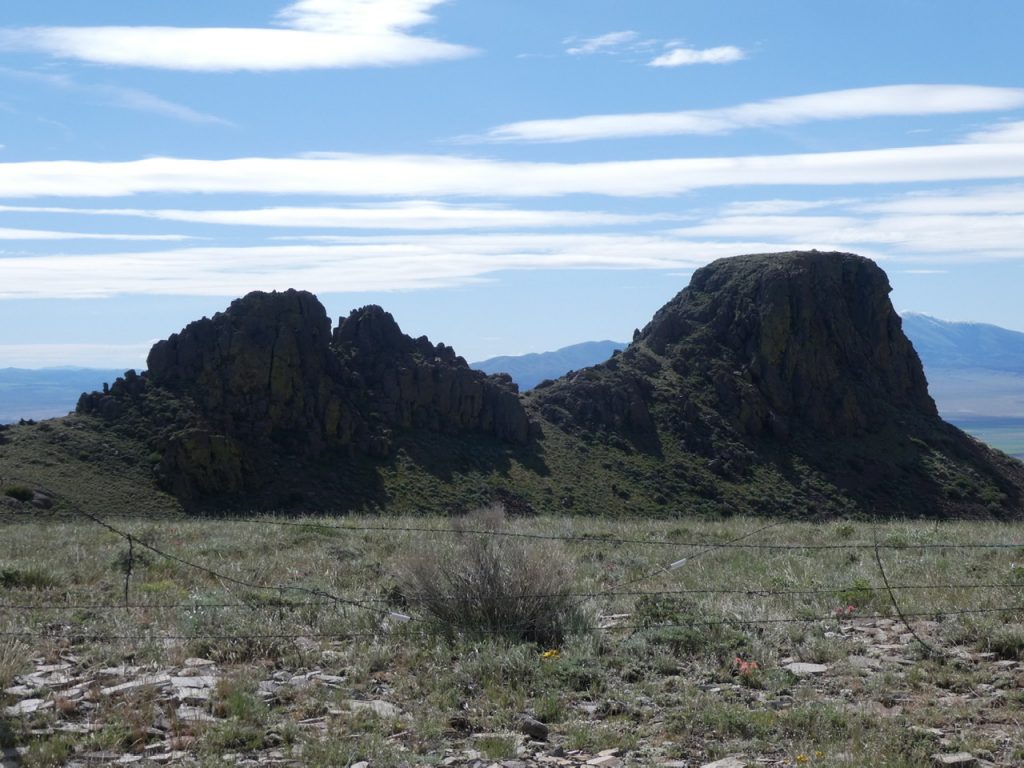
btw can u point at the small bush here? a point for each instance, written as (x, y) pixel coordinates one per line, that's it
(1008, 641)
(19, 492)
(495, 585)
(26, 578)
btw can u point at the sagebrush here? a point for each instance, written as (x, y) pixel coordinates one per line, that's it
(483, 582)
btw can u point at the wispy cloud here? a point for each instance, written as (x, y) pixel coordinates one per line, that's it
(115, 95)
(428, 176)
(413, 215)
(913, 233)
(681, 57)
(1001, 199)
(351, 264)
(313, 34)
(981, 224)
(1002, 132)
(854, 103)
(42, 234)
(612, 42)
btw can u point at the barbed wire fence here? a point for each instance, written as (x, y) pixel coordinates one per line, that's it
(385, 615)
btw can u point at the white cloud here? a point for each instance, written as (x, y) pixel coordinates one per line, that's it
(1002, 132)
(602, 44)
(771, 207)
(425, 215)
(352, 264)
(317, 34)
(42, 234)
(854, 103)
(679, 57)
(421, 176)
(951, 237)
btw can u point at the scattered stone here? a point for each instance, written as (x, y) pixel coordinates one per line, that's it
(730, 762)
(194, 662)
(803, 669)
(533, 728)
(201, 681)
(606, 761)
(158, 681)
(957, 758)
(195, 715)
(27, 707)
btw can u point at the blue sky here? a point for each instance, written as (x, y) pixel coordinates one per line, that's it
(505, 176)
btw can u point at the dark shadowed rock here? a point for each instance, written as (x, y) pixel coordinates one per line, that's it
(773, 384)
(267, 377)
(768, 359)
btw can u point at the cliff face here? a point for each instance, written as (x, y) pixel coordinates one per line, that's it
(267, 376)
(767, 359)
(804, 342)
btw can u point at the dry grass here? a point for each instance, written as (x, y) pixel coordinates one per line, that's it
(656, 674)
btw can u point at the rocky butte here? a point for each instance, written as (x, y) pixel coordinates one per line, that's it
(772, 384)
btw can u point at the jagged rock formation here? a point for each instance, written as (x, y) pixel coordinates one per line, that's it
(773, 384)
(267, 376)
(764, 359)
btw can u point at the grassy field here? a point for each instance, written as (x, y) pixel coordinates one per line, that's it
(287, 640)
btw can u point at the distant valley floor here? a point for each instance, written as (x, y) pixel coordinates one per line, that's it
(1006, 434)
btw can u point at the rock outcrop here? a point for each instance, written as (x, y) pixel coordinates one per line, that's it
(767, 359)
(268, 377)
(772, 384)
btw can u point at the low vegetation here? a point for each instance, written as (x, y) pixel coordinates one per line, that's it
(329, 641)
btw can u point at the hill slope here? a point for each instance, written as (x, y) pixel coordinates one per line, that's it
(773, 384)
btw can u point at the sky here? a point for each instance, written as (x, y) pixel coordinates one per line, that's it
(505, 176)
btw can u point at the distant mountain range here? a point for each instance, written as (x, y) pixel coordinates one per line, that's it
(974, 370)
(530, 370)
(47, 392)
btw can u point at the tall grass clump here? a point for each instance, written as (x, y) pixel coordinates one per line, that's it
(500, 585)
(14, 660)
